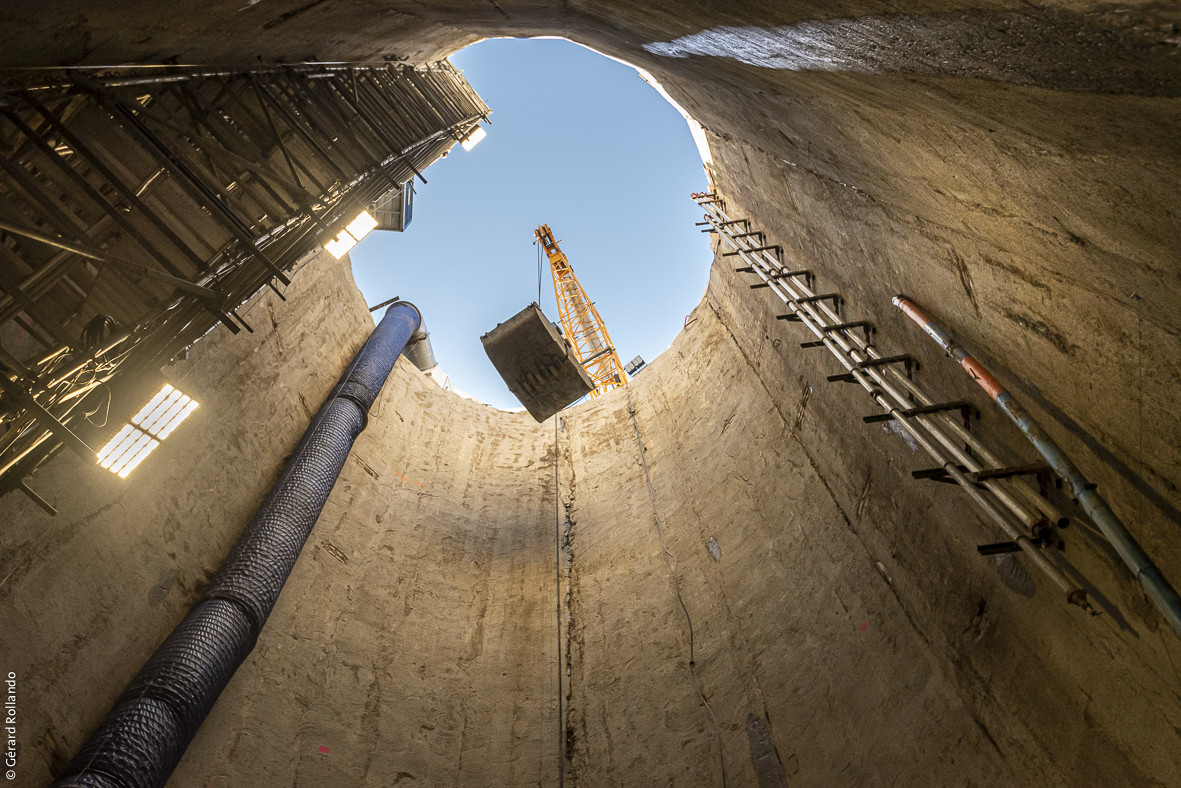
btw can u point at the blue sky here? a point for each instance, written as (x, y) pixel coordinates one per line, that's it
(577, 141)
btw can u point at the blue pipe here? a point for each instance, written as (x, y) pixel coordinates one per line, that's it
(146, 732)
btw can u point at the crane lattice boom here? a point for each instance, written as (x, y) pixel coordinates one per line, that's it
(580, 320)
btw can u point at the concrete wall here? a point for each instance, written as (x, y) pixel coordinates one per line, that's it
(1017, 182)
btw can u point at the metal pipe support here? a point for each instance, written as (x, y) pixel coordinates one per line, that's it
(1163, 595)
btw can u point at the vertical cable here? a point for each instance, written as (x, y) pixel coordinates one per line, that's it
(631, 409)
(1139, 400)
(557, 583)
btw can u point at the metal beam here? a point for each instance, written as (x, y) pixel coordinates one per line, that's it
(169, 158)
(47, 419)
(175, 281)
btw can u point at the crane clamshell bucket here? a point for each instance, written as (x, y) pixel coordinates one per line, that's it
(538, 365)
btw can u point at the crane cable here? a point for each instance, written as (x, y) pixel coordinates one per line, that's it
(538, 245)
(676, 582)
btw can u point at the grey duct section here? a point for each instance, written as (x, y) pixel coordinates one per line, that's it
(146, 732)
(419, 349)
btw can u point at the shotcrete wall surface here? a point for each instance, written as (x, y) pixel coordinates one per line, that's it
(415, 637)
(1010, 167)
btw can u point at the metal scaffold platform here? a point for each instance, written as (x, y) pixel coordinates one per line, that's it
(141, 208)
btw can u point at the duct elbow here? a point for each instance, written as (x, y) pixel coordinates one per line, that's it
(418, 349)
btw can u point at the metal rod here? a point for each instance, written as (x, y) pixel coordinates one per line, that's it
(65, 222)
(1153, 581)
(72, 174)
(844, 345)
(756, 249)
(169, 158)
(877, 362)
(275, 132)
(30, 305)
(296, 123)
(175, 281)
(45, 505)
(384, 303)
(262, 172)
(47, 419)
(834, 297)
(12, 363)
(124, 190)
(12, 462)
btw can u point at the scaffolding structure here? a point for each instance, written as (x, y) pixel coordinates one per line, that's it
(140, 208)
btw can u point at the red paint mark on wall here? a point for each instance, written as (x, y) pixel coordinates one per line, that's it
(323, 748)
(408, 480)
(864, 625)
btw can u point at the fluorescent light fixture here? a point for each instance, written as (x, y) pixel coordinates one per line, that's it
(360, 227)
(175, 422)
(473, 139)
(340, 246)
(347, 238)
(153, 423)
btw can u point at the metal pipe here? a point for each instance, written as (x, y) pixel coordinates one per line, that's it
(146, 732)
(419, 351)
(1154, 583)
(57, 243)
(846, 346)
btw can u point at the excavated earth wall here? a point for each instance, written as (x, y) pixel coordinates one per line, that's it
(414, 640)
(1011, 167)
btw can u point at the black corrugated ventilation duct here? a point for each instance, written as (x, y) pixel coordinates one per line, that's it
(146, 732)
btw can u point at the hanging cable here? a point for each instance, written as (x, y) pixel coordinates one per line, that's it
(558, 584)
(107, 415)
(631, 409)
(538, 272)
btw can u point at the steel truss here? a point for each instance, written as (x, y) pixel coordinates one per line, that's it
(584, 328)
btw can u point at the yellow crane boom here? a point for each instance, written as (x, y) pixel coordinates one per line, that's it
(580, 320)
